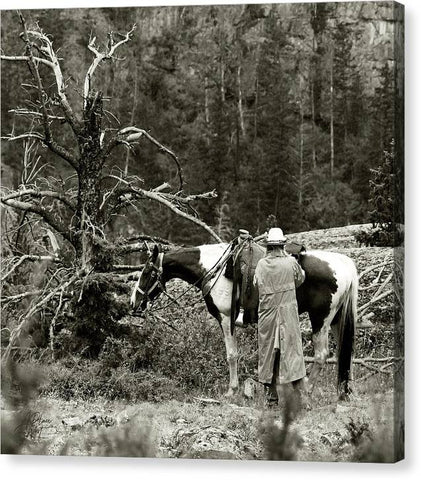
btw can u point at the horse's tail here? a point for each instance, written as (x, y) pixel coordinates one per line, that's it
(347, 322)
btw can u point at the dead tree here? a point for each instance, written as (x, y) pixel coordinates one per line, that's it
(77, 210)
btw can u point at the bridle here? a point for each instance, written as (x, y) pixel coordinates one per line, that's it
(157, 271)
(155, 276)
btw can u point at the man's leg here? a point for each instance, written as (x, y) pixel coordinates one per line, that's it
(301, 393)
(272, 397)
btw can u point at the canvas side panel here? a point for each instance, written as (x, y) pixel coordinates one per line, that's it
(399, 219)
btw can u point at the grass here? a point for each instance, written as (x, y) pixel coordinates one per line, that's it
(145, 383)
(100, 426)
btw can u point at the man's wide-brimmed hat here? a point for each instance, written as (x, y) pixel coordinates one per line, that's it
(276, 237)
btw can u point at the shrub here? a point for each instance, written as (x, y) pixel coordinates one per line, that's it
(375, 450)
(384, 231)
(281, 443)
(98, 303)
(378, 237)
(21, 425)
(88, 379)
(130, 440)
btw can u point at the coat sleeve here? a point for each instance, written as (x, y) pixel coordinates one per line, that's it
(256, 277)
(299, 274)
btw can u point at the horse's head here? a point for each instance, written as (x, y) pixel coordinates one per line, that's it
(149, 284)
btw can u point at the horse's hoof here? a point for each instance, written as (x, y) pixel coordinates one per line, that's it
(240, 324)
(231, 393)
(306, 404)
(345, 397)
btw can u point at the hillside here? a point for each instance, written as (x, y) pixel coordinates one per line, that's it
(242, 95)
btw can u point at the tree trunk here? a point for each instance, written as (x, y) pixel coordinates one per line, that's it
(207, 117)
(332, 139)
(313, 128)
(240, 103)
(132, 116)
(222, 80)
(207, 114)
(301, 173)
(256, 110)
(89, 173)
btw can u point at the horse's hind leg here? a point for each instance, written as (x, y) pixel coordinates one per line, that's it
(232, 354)
(321, 352)
(345, 389)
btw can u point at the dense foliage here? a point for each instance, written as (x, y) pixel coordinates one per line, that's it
(283, 109)
(385, 231)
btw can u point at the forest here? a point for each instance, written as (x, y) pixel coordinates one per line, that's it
(280, 109)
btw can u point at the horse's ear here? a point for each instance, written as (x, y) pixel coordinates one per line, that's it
(155, 252)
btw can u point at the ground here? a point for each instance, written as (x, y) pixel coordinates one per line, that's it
(205, 424)
(197, 428)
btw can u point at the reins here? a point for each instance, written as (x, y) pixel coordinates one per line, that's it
(217, 268)
(157, 281)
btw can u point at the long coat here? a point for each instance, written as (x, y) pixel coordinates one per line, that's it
(277, 276)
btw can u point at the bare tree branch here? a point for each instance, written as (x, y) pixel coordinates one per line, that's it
(157, 197)
(42, 96)
(149, 238)
(360, 361)
(191, 198)
(63, 153)
(24, 136)
(99, 57)
(362, 309)
(53, 222)
(53, 63)
(373, 267)
(32, 258)
(19, 296)
(137, 247)
(51, 144)
(125, 193)
(127, 268)
(33, 193)
(129, 135)
(15, 334)
(25, 58)
(26, 112)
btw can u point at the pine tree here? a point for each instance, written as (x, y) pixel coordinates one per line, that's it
(382, 201)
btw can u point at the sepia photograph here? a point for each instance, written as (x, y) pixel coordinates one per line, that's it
(202, 232)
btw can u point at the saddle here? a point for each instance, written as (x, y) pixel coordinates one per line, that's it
(240, 270)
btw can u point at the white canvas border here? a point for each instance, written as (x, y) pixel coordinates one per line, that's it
(66, 468)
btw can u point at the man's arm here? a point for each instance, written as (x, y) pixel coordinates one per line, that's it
(299, 274)
(256, 277)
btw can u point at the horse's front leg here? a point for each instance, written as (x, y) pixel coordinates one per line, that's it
(321, 352)
(232, 354)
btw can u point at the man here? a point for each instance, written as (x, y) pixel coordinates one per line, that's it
(281, 359)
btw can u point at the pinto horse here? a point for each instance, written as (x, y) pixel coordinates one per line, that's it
(328, 294)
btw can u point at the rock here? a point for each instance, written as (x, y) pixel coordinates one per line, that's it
(326, 440)
(211, 442)
(181, 421)
(99, 420)
(332, 439)
(207, 401)
(342, 408)
(126, 415)
(250, 388)
(212, 455)
(75, 423)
